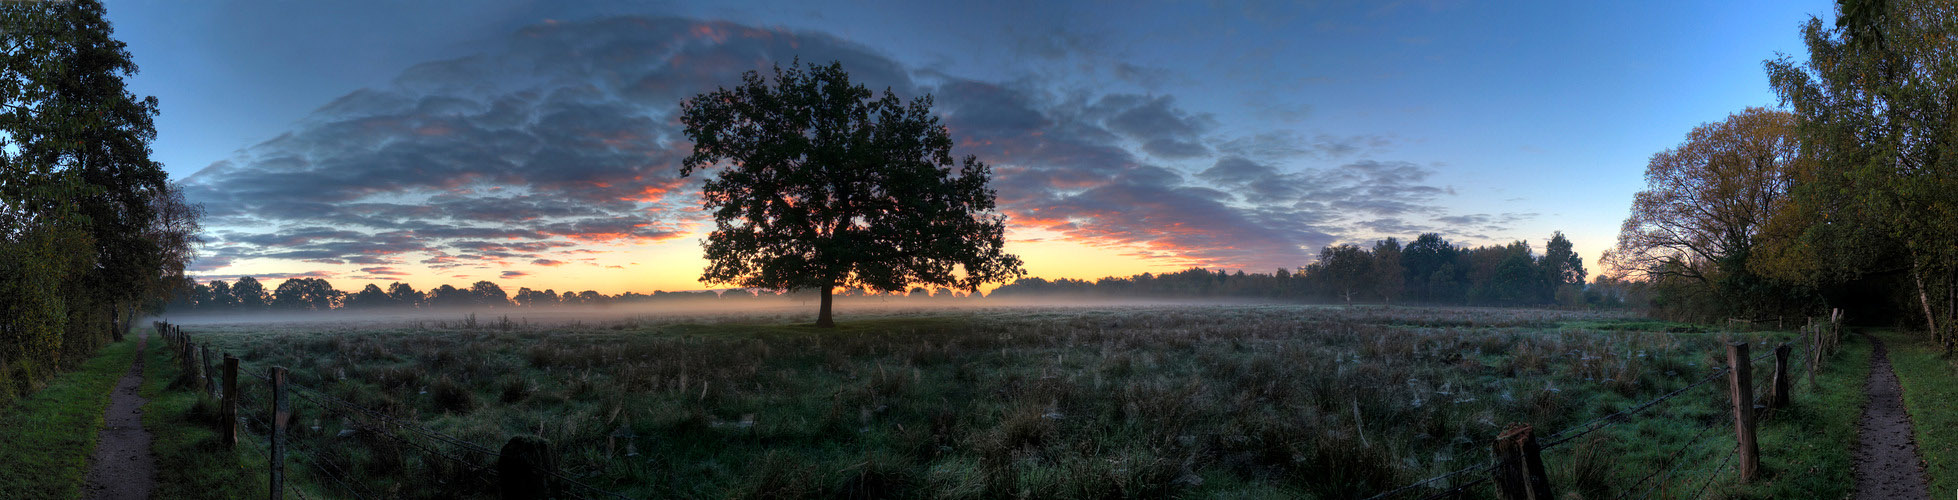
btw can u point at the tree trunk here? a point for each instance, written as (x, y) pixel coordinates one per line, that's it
(1930, 320)
(823, 319)
(116, 326)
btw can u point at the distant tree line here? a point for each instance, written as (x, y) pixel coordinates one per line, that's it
(248, 295)
(1428, 270)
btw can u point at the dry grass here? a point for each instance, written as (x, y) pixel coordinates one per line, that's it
(1055, 402)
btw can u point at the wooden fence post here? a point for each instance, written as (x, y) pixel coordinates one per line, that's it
(210, 376)
(1778, 392)
(1814, 358)
(228, 431)
(1519, 469)
(189, 377)
(280, 414)
(1740, 381)
(523, 468)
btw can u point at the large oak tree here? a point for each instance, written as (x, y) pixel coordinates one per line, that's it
(825, 185)
(1706, 202)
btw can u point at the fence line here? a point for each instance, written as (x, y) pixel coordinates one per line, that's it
(325, 401)
(1716, 473)
(1671, 464)
(363, 419)
(1571, 433)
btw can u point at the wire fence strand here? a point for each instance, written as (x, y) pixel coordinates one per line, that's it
(1672, 462)
(1397, 491)
(1566, 435)
(1595, 424)
(1716, 472)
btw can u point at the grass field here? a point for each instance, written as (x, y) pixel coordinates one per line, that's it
(1238, 401)
(183, 429)
(46, 438)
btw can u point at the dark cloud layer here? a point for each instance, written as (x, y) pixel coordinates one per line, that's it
(566, 135)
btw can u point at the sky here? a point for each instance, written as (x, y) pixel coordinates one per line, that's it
(536, 144)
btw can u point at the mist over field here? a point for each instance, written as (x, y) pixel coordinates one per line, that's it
(963, 250)
(696, 310)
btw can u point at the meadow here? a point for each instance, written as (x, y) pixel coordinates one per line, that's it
(1245, 401)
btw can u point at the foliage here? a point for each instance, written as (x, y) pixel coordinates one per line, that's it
(90, 230)
(1694, 232)
(824, 186)
(1429, 270)
(184, 437)
(1877, 119)
(46, 438)
(306, 294)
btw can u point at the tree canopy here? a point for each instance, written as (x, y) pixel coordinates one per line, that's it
(823, 185)
(1879, 205)
(90, 229)
(1699, 222)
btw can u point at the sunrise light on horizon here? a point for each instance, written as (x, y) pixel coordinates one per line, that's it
(537, 145)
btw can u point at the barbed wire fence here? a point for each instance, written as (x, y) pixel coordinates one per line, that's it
(270, 439)
(1453, 484)
(1692, 451)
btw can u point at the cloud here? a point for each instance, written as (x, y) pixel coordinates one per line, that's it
(514, 274)
(1485, 222)
(564, 136)
(1286, 145)
(270, 280)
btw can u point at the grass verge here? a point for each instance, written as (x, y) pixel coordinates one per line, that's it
(191, 462)
(46, 438)
(1807, 449)
(1929, 395)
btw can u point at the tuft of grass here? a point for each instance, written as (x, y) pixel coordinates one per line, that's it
(1930, 384)
(1240, 401)
(46, 438)
(191, 461)
(1807, 449)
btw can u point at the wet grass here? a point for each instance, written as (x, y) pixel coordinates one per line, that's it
(1241, 401)
(1928, 377)
(46, 438)
(192, 462)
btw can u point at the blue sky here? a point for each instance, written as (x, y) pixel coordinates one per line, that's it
(1133, 136)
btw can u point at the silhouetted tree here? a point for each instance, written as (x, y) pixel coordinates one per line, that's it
(250, 294)
(1429, 263)
(487, 293)
(1563, 271)
(369, 297)
(405, 295)
(591, 298)
(1704, 207)
(1345, 270)
(1389, 278)
(305, 294)
(222, 298)
(826, 187)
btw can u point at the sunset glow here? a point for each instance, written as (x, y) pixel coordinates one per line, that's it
(539, 147)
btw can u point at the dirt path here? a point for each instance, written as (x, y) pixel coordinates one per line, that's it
(1887, 463)
(123, 466)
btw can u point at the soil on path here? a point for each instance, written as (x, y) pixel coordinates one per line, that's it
(123, 466)
(1887, 464)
